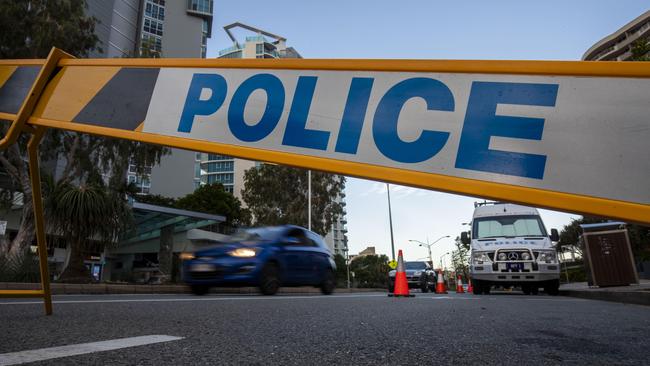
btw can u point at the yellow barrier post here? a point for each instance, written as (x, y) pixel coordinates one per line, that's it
(37, 201)
(17, 127)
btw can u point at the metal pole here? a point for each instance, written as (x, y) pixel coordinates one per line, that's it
(309, 199)
(347, 265)
(390, 222)
(37, 201)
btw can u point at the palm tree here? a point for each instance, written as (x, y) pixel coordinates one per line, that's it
(84, 213)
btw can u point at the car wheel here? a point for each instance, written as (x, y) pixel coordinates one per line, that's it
(525, 289)
(423, 286)
(552, 287)
(534, 289)
(391, 287)
(200, 290)
(270, 279)
(329, 283)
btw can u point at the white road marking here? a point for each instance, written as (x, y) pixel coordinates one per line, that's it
(186, 299)
(17, 358)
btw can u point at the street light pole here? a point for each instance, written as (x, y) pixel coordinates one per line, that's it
(390, 223)
(309, 200)
(429, 245)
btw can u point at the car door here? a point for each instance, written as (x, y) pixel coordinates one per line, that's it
(297, 257)
(320, 258)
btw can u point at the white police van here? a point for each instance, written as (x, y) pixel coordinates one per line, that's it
(511, 247)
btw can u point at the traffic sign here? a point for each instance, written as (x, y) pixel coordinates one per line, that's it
(392, 264)
(564, 135)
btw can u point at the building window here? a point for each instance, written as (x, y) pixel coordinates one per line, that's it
(223, 178)
(220, 166)
(202, 6)
(218, 157)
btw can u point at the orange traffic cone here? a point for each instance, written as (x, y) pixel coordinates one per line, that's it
(470, 288)
(401, 284)
(459, 286)
(440, 284)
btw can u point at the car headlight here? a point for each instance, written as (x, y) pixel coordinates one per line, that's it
(243, 252)
(548, 256)
(187, 256)
(417, 273)
(479, 258)
(502, 256)
(525, 256)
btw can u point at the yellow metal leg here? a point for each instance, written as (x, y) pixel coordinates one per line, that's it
(37, 201)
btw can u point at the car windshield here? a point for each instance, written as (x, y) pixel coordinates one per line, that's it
(415, 265)
(254, 236)
(508, 226)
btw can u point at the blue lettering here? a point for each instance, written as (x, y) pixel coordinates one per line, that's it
(481, 123)
(272, 113)
(296, 134)
(194, 106)
(353, 115)
(384, 129)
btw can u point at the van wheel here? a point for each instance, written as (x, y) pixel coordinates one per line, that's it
(525, 289)
(270, 279)
(478, 287)
(486, 287)
(329, 283)
(552, 287)
(199, 290)
(534, 289)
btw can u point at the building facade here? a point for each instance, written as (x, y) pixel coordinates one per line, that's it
(618, 45)
(158, 28)
(230, 171)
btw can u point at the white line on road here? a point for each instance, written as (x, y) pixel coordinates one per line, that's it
(17, 358)
(185, 299)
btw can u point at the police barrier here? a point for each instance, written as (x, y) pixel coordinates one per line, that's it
(564, 135)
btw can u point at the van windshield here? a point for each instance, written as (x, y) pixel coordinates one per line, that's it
(508, 226)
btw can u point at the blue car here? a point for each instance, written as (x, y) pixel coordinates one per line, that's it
(267, 257)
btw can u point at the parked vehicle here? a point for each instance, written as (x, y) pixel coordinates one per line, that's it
(510, 247)
(267, 257)
(418, 274)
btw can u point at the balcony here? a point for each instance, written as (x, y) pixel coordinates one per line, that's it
(202, 8)
(228, 50)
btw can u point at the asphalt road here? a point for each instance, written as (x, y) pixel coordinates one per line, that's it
(336, 330)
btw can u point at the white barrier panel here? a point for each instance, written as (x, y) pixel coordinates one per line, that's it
(579, 135)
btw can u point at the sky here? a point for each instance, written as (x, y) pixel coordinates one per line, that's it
(433, 29)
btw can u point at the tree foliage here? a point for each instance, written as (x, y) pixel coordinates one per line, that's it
(370, 271)
(30, 28)
(640, 50)
(214, 199)
(277, 195)
(460, 258)
(85, 213)
(210, 198)
(341, 270)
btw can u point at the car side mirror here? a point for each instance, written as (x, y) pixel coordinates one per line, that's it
(554, 235)
(464, 237)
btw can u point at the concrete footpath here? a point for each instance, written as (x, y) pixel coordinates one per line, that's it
(633, 294)
(105, 288)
